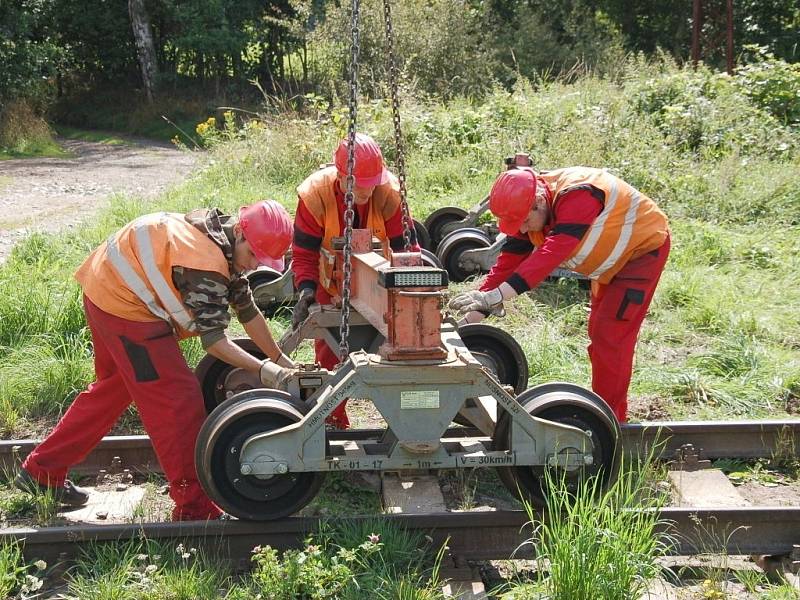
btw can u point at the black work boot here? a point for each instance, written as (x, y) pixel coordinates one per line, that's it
(68, 494)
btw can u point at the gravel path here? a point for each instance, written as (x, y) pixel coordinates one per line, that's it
(51, 194)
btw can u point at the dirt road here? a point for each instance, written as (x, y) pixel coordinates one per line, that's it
(52, 194)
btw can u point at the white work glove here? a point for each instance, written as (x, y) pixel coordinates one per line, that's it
(476, 316)
(274, 376)
(475, 300)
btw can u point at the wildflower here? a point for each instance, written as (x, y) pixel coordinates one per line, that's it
(256, 549)
(40, 564)
(150, 569)
(180, 549)
(141, 557)
(374, 538)
(31, 584)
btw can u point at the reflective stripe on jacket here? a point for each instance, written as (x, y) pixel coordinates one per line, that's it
(629, 225)
(317, 192)
(130, 274)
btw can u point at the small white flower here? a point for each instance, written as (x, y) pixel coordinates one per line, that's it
(150, 569)
(31, 583)
(185, 555)
(40, 564)
(141, 557)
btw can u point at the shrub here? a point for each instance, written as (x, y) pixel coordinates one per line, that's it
(23, 132)
(772, 84)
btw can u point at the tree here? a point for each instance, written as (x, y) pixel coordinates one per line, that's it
(144, 45)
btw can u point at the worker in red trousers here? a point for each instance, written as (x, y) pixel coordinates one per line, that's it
(320, 218)
(591, 222)
(161, 278)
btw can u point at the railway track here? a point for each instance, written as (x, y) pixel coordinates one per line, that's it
(470, 536)
(711, 440)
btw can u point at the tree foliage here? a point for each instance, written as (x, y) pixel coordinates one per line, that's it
(444, 47)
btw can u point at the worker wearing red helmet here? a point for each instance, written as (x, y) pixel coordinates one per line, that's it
(591, 222)
(161, 278)
(320, 218)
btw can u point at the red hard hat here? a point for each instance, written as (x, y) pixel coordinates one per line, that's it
(268, 228)
(511, 198)
(368, 169)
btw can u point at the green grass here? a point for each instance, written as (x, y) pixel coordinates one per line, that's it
(86, 135)
(371, 560)
(18, 579)
(592, 545)
(723, 336)
(35, 149)
(11, 569)
(339, 496)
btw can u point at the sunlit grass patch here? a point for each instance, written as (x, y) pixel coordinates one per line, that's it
(86, 135)
(341, 496)
(372, 559)
(593, 544)
(145, 569)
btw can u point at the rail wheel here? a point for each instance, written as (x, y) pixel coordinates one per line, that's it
(429, 259)
(454, 245)
(572, 405)
(267, 304)
(423, 237)
(499, 352)
(438, 219)
(217, 456)
(219, 380)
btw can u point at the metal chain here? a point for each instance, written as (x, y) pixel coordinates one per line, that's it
(344, 327)
(391, 69)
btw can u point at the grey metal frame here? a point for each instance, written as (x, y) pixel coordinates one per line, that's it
(418, 400)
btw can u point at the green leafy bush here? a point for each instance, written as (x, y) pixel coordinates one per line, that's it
(772, 84)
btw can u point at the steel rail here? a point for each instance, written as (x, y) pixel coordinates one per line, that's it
(470, 536)
(713, 439)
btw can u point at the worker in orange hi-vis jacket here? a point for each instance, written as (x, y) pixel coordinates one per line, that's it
(593, 223)
(320, 218)
(161, 278)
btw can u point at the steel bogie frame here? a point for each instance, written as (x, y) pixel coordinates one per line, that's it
(418, 402)
(261, 449)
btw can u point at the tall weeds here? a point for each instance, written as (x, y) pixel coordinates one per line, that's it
(598, 546)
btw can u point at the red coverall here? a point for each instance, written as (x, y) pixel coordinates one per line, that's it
(130, 360)
(308, 235)
(617, 308)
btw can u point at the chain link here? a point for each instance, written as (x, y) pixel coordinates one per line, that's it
(391, 69)
(344, 326)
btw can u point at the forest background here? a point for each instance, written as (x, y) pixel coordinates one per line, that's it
(75, 62)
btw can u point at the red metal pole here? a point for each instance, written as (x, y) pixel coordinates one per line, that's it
(697, 26)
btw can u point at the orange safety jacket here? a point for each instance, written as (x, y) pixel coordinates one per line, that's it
(629, 225)
(130, 274)
(318, 194)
